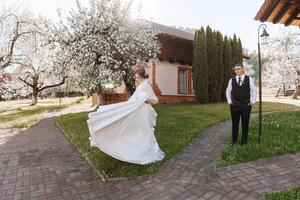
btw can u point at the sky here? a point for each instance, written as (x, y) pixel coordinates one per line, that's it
(229, 17)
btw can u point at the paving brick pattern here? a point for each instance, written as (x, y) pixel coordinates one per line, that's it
(40, 163)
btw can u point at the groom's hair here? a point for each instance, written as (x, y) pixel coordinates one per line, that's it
(239, 65)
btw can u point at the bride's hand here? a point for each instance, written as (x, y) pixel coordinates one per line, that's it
(148, 101)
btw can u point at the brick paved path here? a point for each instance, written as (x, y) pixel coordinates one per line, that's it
(39, 163)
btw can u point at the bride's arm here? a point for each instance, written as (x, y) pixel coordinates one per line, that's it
(152, 98)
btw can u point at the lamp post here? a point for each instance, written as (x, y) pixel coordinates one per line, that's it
(264, 35)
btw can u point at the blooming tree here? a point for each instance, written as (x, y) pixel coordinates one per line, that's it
(104, 43)
(248, 68)
(36, 67)
(283, 68)
(15, 26)
(14, 88)
(4, 77)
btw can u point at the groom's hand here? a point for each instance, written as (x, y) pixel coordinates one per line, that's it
(250, 104)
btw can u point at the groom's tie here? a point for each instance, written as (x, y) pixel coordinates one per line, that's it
(240, 80)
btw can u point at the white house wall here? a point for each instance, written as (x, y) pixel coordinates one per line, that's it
(166, 77)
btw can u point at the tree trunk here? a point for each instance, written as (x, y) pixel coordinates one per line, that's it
(100, 90)
(296, 92)
(129, 83)
(100, 99)
(34, 95)
(130, 89)
(36, 89)
(34, 98)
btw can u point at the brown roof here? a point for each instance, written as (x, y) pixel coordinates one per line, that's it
(285, 12)
(173, 31)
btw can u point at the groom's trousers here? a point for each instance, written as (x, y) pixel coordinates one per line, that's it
(240, 111)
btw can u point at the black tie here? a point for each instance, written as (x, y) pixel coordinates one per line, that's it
(240, 80)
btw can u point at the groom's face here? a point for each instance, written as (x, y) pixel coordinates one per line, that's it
(239, 70)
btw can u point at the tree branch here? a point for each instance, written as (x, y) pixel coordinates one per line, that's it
(50, 86)
(27, 83)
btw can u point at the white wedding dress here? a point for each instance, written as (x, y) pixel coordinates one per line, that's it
(125, 130)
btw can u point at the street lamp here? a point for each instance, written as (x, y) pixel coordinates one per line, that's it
(264, 35)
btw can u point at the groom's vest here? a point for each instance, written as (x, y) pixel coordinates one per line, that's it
(240, 94)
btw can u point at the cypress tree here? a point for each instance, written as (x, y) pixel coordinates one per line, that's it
(196, 66)
(220, 65)
(227, 64)
(203, 67)
(213, 60)
(240, 51)
(234, 52)
(200, 68)
(212, 64)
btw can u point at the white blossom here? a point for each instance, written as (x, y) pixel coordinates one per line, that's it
(248, 68)
(103, 42)
(284, 60)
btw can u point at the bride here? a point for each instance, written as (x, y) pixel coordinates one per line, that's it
(125, 130)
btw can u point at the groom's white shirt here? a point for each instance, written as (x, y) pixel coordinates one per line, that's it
(252, 89)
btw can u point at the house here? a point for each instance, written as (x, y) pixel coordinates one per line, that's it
(171, 76)
(280, 11)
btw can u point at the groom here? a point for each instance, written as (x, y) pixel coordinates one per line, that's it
(241, 95)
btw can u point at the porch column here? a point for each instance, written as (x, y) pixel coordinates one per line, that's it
(190, 81)
(153, 73)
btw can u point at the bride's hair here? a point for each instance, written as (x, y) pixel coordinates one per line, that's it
(142, 73)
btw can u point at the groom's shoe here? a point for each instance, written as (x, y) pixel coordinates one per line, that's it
(244, 142)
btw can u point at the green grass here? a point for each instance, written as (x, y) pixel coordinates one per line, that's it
(79, 100)
(281, 135)
(28, 111)
(3, 110)
(25, 124)
(177, 126)
(290, 194)
(21, 112)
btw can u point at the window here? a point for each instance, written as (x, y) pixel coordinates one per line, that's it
(182, 81)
